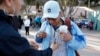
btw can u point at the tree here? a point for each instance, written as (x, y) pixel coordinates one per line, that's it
(29, 2)
(65, 3)
(89, 2)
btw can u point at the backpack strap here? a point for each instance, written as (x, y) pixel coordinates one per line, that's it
(68, 23)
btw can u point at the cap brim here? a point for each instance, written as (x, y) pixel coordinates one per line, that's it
(50, 15)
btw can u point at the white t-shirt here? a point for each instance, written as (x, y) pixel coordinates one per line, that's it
(27, 22)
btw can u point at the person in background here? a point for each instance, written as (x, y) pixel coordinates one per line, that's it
(27, 25)
(20, 23)
(38, 19)
(11, 42)
(71, 41)
(30, 20)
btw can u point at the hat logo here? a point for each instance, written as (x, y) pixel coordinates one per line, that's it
(49, 10)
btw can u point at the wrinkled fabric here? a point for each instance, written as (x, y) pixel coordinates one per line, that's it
(78, 41)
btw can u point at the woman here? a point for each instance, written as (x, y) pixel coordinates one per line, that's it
(11, 43)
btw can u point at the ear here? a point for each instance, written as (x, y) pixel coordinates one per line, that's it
(8, 3)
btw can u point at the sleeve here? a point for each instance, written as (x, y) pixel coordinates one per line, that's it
(78, 39)
(46, 52)
(15, 44)
(39, 40)
(18, 46)
(43, 26)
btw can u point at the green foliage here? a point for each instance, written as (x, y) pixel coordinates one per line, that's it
(95, 1)
(29, 2)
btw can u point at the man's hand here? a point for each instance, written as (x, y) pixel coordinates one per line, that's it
(34, 45)
(65, 36)
(41, 34)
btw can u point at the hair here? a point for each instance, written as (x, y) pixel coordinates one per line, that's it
(1, 1)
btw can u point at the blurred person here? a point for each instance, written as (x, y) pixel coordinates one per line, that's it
(71, 41)
(90, 26)
(38, 18)
(20, 23)
(27, 25)
(11, 43)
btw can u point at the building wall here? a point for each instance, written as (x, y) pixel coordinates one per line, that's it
(77, 11)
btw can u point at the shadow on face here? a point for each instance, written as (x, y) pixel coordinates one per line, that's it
(53, 21)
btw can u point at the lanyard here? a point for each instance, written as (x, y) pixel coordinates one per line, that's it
(54, 37)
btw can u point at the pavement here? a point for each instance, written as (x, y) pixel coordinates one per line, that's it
(93, 43)
(92, 37)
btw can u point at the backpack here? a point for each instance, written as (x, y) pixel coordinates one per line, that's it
(68, 23)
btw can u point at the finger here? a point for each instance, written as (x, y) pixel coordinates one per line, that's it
(42, 35)
(32, 42)
(36, 46)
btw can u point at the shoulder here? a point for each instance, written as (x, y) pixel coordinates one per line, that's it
(7, 31)
(45, 23)
(73, 23)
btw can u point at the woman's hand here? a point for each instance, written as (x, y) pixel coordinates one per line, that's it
(33, 44)
(54, 46)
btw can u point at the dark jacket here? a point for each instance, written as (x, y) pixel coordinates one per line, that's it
(15, 23)
(12, 44)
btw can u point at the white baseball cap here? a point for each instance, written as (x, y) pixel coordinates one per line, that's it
(51, 9)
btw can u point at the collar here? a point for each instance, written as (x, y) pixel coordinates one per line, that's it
(56, 27)
(5, 17)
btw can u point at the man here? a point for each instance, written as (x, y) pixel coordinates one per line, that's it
(27, 25)
(11, 43)
(49, 32)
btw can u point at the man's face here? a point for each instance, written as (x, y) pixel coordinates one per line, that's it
(54, 21)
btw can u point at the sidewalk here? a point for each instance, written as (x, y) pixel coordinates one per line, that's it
(32, 32)
(93, 43)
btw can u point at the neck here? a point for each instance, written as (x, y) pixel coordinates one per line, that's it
(4, 9)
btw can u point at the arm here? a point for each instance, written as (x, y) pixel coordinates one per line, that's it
(42, 29)
(15, 45)
(77, 42)
(78, 39)
(47, 52)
